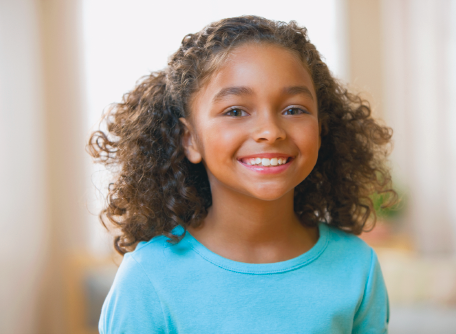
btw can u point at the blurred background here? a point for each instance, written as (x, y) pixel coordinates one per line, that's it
(62, 62)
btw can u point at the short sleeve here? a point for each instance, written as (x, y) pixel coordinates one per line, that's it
(132, 305)
(372, 316)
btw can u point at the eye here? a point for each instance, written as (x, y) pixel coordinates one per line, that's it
(295, 111)
(236, 112)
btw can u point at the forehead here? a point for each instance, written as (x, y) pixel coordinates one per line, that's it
(255, 56)
(258, 66)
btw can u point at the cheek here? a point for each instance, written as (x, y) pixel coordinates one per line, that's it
(221, 142)
(307, 137)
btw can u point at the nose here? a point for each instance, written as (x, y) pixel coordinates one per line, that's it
(268, 128)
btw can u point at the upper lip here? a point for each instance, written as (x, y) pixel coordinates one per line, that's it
(265, 155)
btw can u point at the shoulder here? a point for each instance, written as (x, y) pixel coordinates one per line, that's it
(347, 250)
(356, 265)
(132, 304)
(160, 259)
(347, 243)
(155, 247)
(131, 281)
(339, 235)
(159, 251)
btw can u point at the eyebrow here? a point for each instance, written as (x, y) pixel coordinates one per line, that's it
(296, 90)
(238, 91)
(241, 90)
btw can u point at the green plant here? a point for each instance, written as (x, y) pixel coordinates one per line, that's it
(387, 206)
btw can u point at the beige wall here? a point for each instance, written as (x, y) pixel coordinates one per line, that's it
(419, 89)
(23, 203)
(67, 161)
(399, 57)
(365, 50)
(43, 170)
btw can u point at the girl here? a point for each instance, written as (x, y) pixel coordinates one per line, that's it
(244, 171)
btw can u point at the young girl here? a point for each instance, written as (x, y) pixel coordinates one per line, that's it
(244, 171)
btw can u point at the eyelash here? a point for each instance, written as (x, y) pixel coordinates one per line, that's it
(234, 109)
(303, 111)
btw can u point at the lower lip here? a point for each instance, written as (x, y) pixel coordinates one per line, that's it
(267, 170)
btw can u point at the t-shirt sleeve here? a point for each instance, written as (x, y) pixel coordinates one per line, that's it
(372, 316)
(132, 305)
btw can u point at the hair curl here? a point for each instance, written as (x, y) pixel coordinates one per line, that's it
(157, 188)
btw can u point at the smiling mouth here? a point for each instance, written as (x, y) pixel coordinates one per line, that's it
(266, 162)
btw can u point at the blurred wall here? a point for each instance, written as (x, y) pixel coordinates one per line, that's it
(67, 162)
(364, 25)
(43, 169)
(419, 64)
(23, 186)
(402, 58)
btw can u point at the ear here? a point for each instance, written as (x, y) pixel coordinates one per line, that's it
(189, 142)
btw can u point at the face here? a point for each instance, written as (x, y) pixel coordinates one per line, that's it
(254, 125)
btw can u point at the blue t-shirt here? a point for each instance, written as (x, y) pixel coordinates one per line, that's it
(335, 287)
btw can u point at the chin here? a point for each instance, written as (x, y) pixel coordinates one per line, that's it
(268, 195)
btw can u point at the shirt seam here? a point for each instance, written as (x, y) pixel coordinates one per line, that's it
(277, 271)
(155, 291)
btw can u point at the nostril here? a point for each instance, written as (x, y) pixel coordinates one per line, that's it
(271, 134)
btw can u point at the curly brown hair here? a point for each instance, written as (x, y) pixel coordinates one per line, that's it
(156, 188)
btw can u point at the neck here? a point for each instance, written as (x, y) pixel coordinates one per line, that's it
(250, 220)
(249, 229)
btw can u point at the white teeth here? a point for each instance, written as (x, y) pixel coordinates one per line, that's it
(266, 162)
